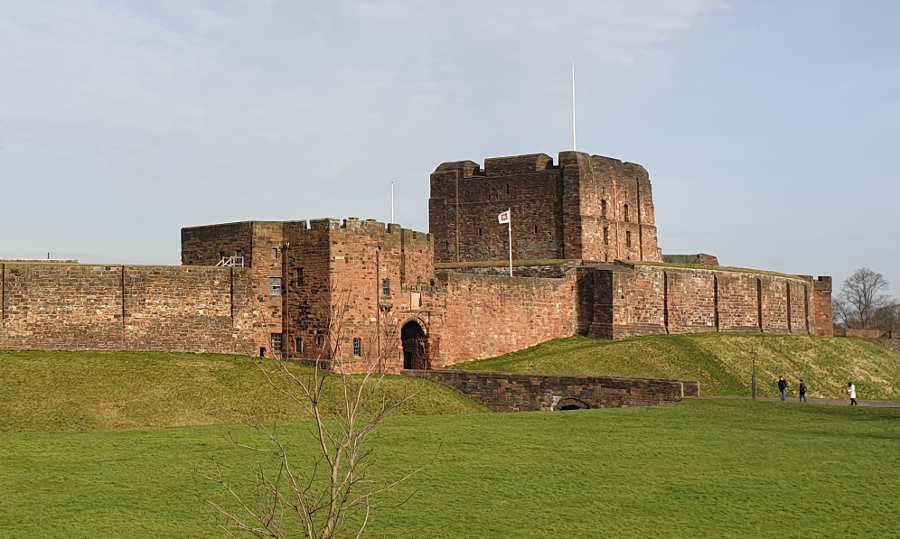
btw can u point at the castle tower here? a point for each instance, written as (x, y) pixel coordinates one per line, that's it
(586, 207)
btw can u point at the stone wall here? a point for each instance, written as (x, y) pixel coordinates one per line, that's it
(95, 307)
(645, 299)
(866, 333)
(484, 315)
(520, 392)
(587, 207)
(823, 306)
(702, 259)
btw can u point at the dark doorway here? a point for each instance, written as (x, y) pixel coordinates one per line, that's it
(570, 403)
(415, 346)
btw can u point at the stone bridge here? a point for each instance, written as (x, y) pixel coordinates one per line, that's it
(504, 392)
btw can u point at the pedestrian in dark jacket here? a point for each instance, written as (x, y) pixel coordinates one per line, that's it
(802, 390)
(782, 388)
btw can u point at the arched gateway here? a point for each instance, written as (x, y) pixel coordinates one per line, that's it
(415, 346)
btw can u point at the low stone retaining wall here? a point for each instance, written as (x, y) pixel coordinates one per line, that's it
(505, 392)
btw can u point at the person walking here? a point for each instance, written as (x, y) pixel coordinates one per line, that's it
(802, 389)
(851, 390)
(782, 388)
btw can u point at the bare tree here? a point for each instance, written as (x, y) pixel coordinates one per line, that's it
(861, 297)
(887, 317)
(319, 495)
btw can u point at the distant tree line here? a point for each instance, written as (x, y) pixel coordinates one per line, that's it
(864, 303)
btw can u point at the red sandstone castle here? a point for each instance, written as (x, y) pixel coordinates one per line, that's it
(587, 262)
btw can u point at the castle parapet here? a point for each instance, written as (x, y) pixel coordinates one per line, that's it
(823, 283)
(517, 164)
(465, 168)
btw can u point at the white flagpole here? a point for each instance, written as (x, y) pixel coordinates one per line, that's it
(392, 200)
(509, 224)
(574, 145)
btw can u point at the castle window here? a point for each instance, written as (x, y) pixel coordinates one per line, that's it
(274, 252)
(507, 189)
(357, 347)
(298, 344)
(320, 338)
(535, 229)
(386, 287)
(603, 208)
(277, 342)
(606, 235)
(480, 231)
(298, 273)
(627, 217)
(628, 238)
(275, 288)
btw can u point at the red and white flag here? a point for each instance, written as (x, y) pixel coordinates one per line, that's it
(504, 217)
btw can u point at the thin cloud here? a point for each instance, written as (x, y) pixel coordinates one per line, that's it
(119, 125)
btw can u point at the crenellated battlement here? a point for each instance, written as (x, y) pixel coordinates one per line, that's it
(823, 282)
(517, 164)
(464, 168)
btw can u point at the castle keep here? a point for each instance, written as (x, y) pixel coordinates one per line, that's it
(589, 208)
(588, 262)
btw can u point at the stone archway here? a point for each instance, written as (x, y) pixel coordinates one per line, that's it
(571, 403)
(415, 346)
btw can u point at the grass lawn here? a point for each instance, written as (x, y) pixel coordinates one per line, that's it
(721, 362)
(103, 390)
(696, 469)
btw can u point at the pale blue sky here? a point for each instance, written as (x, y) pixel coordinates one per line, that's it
(770, 129)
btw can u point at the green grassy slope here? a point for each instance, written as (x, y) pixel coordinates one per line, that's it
(91, 390)
(696, 469)
(720, 362)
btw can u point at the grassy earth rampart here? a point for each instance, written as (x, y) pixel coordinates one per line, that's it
(721, 362)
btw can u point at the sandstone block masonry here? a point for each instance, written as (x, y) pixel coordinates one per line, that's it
(504, 392)
(93, 307)
(651, 299)
(587, 207)
(327, 287)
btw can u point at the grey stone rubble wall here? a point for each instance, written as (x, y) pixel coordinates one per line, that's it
(526, 392)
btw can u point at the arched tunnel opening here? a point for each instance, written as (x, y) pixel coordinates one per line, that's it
(570, 403)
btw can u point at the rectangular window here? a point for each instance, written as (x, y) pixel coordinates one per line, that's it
(606, 235)
(628, 238)
(274, 252)
(299, 275)
(277, 342)
(275, 288)
(386, 287)
(320, 338)
(357, 347)
(627, 215)
(298, 344)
